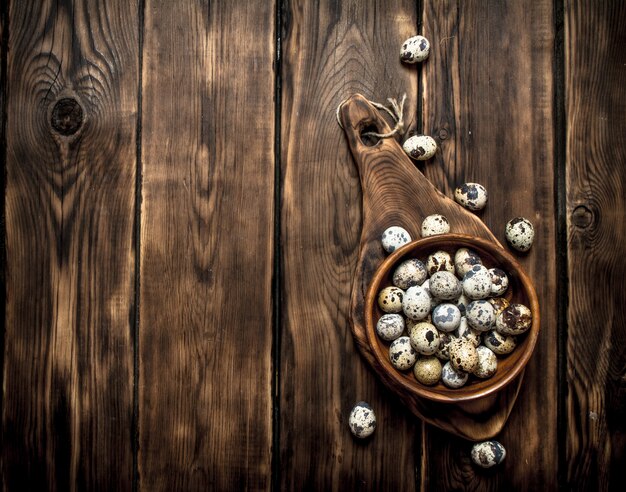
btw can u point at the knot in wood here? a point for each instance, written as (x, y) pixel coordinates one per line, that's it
(443, 134)
(582, 216)
(67, 116)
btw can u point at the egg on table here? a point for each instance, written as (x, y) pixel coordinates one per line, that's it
(434, 225)
(415, 50)
(420, 147)
(472, 196)
(487, 454)
(362, 420)
(519, 233)
(394, 237)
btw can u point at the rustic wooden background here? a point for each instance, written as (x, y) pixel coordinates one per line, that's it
(177, 263)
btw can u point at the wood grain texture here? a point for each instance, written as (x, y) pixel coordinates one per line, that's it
(395, 192)
(330, 51)
(488, 99)
(206, 246)
(70, 197)
(595, 63)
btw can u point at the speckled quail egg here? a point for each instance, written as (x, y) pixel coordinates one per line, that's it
(420, 147)
(462, 303)
(498, 343)
(499, 281)
(480, 315)
(427, 370)
(464, 260)
(520, 233)
(453, 378)
(444, 285)
(499, 304)
(514, 320)
(390, 299)
(446, 317)
(416, 303)
(439, 261)
(409, 273)
(402, 354)
(434, 225)
(390, 326)
(472, 196)
(415, 50)
(394, 237)
(487, 363)
(362, 420)
(443, 352)
(424, 338)
(463, 355)
(487, 454)
(465, 331)
(477, 282)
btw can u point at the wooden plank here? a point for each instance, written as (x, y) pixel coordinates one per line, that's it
(70, 203)
(330, 51)
(595, 155)
(488, 99)
(205, 367)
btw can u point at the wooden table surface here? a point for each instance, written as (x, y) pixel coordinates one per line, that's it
(181, 222)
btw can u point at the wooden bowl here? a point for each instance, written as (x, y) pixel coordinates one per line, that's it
(521, 290)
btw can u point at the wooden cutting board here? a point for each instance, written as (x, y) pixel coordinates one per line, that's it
(396, 192)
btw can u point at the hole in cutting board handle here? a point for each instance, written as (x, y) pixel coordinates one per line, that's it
(369, 140)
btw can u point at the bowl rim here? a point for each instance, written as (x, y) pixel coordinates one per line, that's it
(462, 240)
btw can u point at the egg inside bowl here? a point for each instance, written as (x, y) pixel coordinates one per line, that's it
(520, 291)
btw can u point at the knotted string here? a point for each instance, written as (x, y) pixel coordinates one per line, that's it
(396, 112)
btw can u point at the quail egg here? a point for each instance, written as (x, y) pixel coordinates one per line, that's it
(424, 338)
(498, 343)
(499, 281)
(427, 370)
(409, 273)
(446, 317)
(463, 355)
(462, 303)
(435, 224)
(390, 326)
(420, 147)
(362, 420)
(439, 261)
(443, 352)
(480, 315)
(402, 354)
(415, 50)
(464, 260)
(477, 282)
(453, 378)
(394, 237)
(472, 196)
(416, 303)
(390, 299)
(499, 304)
(444, 285)
(514, 320)
(487, 363)
(487, 454)
(465, 331)
(520, 233)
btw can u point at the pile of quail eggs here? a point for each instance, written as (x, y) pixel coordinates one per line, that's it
(445, 316)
